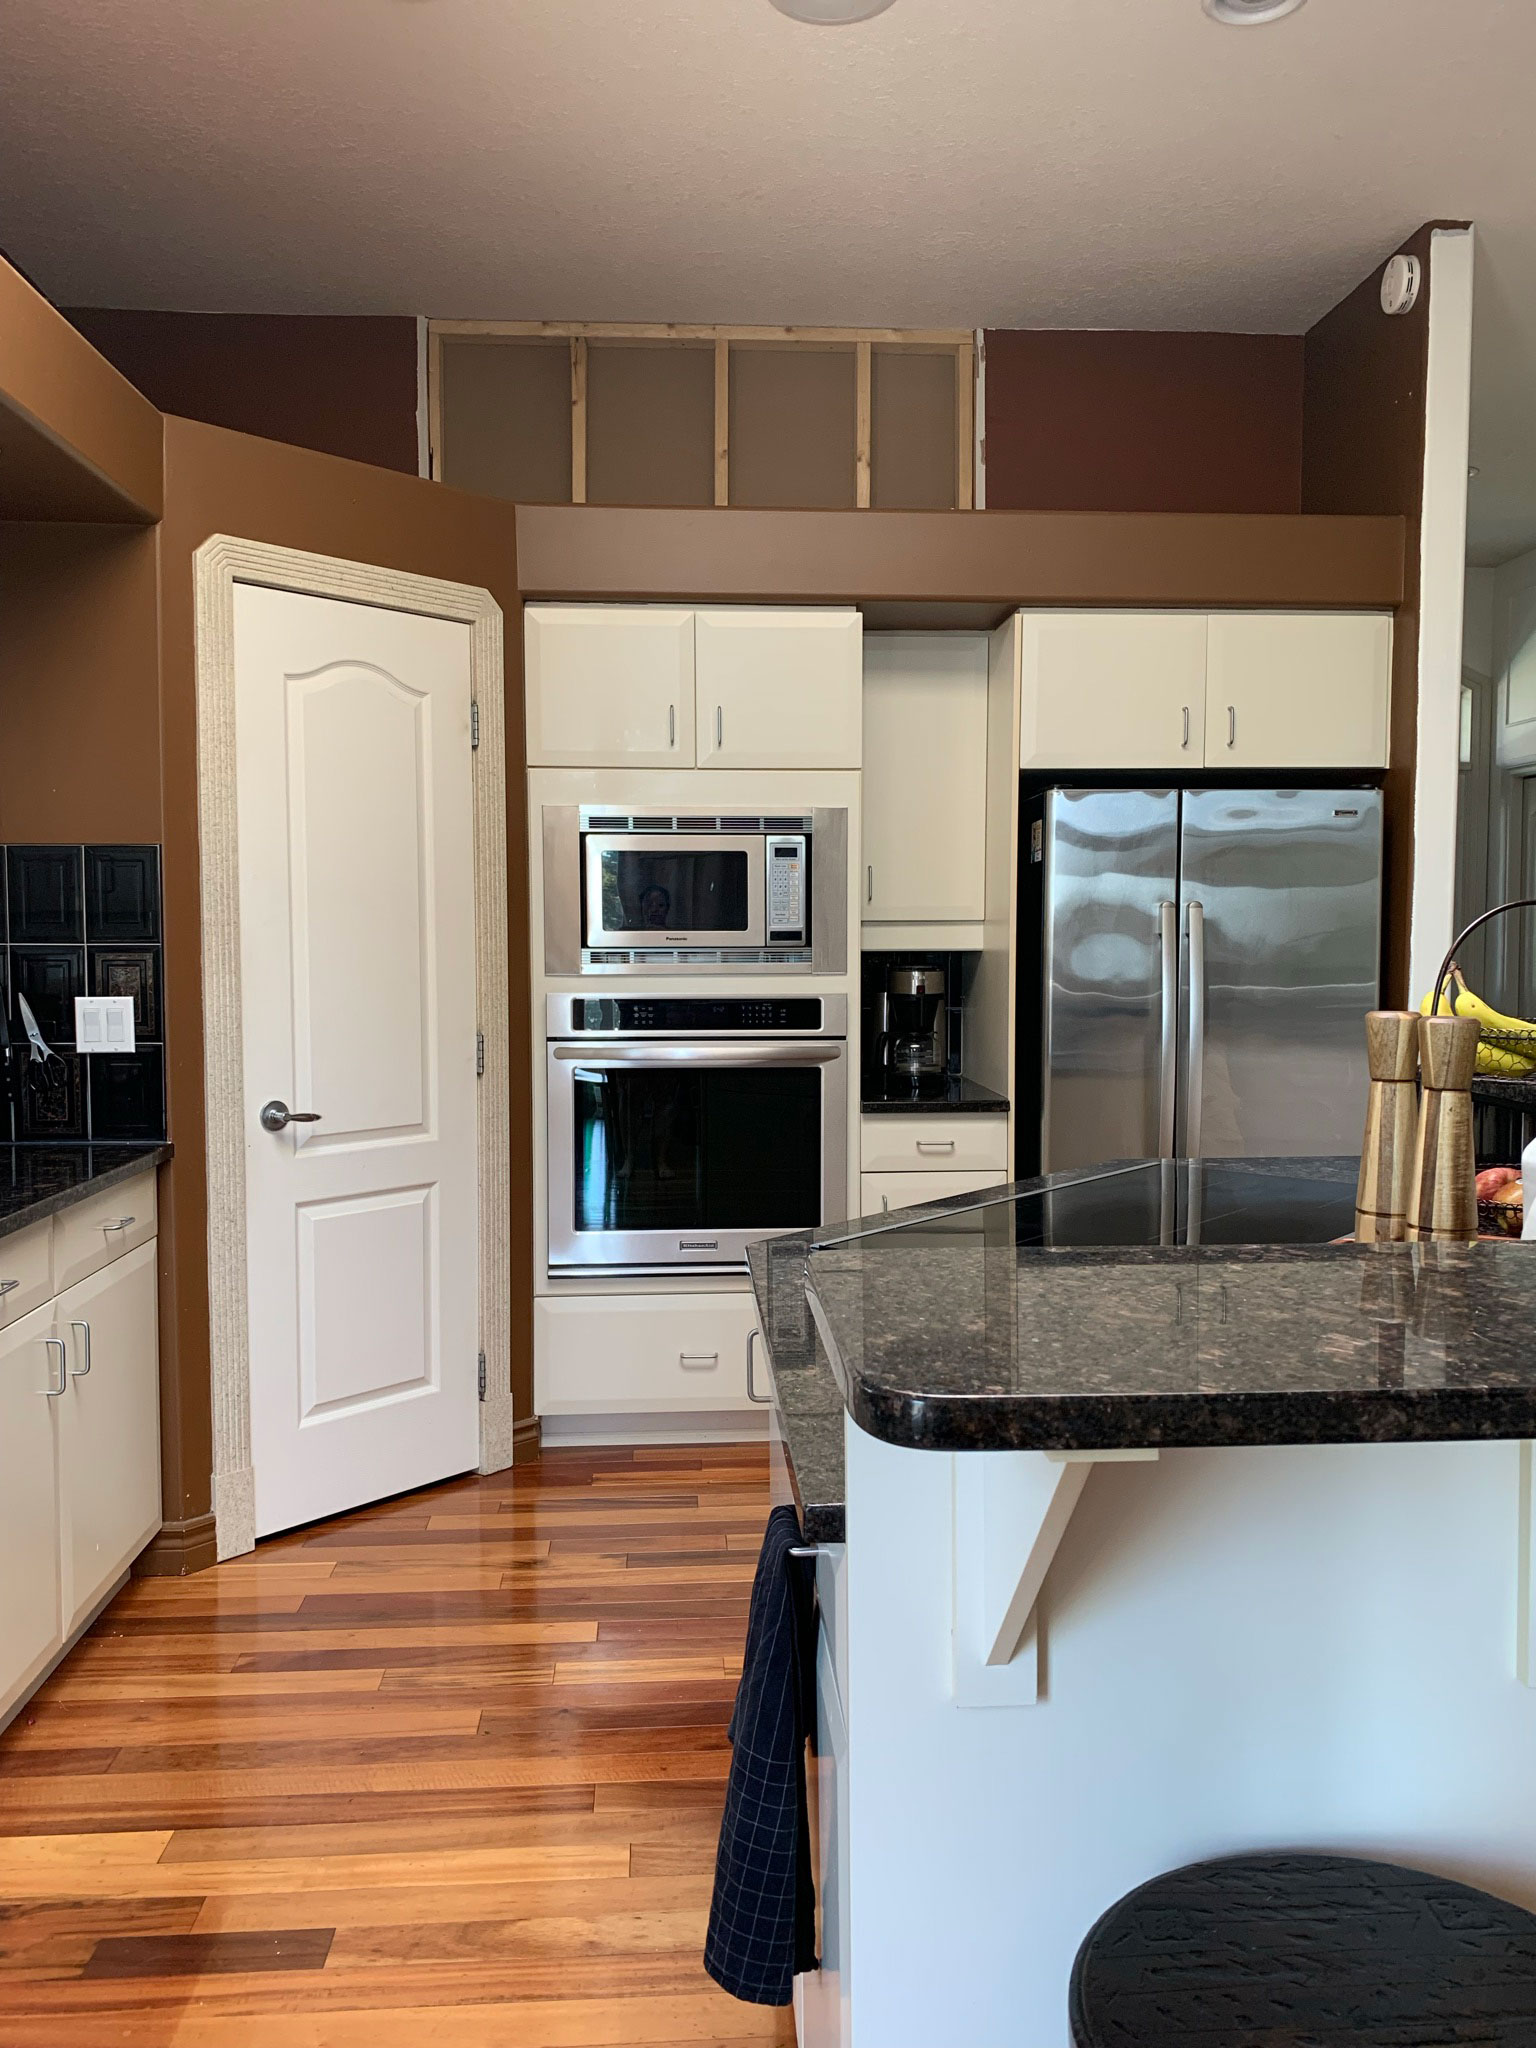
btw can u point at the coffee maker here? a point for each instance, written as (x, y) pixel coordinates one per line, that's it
(912, 1050)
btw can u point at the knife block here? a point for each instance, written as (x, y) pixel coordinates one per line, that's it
(1385, 1192)
(1444, 1204)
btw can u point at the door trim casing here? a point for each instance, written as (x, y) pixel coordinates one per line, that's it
(219, 564)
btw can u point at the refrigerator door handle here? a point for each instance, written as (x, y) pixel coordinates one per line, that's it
(1168, 1063)
(1195, 1096)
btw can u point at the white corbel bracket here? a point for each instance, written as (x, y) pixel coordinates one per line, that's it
(1011, 1512)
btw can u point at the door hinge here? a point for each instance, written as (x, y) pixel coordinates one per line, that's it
(479, 1055)
(474, 724)
(482, 1375)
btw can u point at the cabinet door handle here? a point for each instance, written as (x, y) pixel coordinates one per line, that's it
(1231, 725)
(80, 1371)
(671, 725)
(121, 1223)
(1185, 741)
(869, 885)
(935, 1144)
(53, 1393)
(698, 1361)
(762, 1400)
(8, 1287)
(719, 725)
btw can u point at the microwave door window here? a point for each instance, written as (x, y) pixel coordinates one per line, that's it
(666, 1149)
(672, 891)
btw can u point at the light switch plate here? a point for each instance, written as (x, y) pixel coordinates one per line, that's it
(104, 1024)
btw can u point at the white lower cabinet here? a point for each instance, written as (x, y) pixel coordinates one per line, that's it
(821, 1996)
(79, 1426)
(882, 1192)
(30, 1625)
(639, 1354)
(108, 1428)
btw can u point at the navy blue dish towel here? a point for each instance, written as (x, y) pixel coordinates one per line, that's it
(762, 1919)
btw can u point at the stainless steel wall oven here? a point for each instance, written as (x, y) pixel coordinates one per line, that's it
(681, 1128)
(633, 891)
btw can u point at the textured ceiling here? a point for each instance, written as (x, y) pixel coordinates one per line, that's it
(1113, 163)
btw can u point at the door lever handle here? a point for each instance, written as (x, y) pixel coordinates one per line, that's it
(277, 1116)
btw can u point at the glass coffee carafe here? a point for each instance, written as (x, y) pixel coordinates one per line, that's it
(915, 1040)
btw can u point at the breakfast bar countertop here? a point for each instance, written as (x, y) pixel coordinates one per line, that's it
(37, 1180)
(1143, 1304)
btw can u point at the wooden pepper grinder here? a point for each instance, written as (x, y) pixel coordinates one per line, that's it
(1444, 1205)
(1385, 1193)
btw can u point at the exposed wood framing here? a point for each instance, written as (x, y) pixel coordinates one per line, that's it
(578, 420)
(860, 342)
(722, 422)
(864, 428)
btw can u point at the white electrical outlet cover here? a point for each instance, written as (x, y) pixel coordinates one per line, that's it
(104, 1024)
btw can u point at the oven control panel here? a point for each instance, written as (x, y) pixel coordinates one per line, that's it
(786, 890)
(694, 1016)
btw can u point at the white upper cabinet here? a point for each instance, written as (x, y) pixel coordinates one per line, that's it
(1182, 691)
(609, 686)
(779, 688)
(1298, 690)
(1112, 690)
(925, 778)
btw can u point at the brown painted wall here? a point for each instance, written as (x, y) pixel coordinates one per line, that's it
(76, 440)
(345, 385)
(1125, 422)
(220, 482)
(1363, 452)
(79, 683)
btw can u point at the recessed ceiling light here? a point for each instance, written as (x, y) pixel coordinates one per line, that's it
(1250, 13)
(827, 13)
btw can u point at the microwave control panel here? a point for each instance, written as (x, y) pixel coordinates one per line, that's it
(786, 891)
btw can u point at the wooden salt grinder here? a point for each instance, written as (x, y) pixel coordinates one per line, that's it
(1385, 1193)
(1444, 1205)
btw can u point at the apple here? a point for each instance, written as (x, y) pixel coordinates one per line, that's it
(1494, 1179)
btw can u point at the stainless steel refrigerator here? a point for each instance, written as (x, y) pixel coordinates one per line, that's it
(1194, 969)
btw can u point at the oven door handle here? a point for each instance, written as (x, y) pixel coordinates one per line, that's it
(790, 1055)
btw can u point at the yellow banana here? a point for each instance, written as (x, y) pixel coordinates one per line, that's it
(1492, 1058)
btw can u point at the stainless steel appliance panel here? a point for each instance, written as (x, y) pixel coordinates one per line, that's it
(1282, 921)
(1110, 975)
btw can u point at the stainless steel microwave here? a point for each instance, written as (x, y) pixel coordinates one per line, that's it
(644, 891)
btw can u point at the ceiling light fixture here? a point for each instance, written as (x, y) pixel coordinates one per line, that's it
(830, 13)
(1250, 13)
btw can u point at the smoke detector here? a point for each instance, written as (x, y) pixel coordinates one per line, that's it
(1400, 284)
(1250, 13)
(829, 13)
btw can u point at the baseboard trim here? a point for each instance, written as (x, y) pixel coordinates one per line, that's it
(726, 1426)
(180, 1549)
(526, 1439)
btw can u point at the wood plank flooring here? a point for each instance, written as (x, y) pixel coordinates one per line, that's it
(444, 1773)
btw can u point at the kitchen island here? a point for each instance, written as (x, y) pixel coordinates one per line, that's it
(1291, 1609)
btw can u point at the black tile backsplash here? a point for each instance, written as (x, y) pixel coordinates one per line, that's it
(81, 920)
(130, 971)
(122, 893)
(45, 894)
(50, 977)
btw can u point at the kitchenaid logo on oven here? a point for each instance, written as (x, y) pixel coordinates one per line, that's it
(698, 1244)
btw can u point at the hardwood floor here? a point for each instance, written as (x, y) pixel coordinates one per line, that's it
(447, 1772)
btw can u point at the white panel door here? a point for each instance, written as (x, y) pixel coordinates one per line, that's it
(925, 778)
(31, 1626)
(608, 686)
(1298, 690)
(109, 1427)
(779, 688)
(1112, 690)
(358, 973)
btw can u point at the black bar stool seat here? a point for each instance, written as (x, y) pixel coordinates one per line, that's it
(1306, 1952)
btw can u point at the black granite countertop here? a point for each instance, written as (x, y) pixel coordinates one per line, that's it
(38, 1180)
(954, 1095)
(943, 1331)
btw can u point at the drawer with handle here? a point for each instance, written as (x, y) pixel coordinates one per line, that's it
(933, 1144)
(101, 1228)
(613, 1353)
(26, 1270)
(881, 1193)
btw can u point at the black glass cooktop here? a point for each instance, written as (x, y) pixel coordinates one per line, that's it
(1160, 1202)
